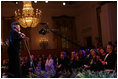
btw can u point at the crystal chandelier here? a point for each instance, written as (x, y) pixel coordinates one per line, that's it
(28, 17)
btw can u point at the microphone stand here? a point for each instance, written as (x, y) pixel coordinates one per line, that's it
(25, 41)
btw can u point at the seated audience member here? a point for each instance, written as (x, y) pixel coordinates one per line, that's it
(84, 53)
(43, 63)
(81, 56)
(35, 61)
(98, 65)
(91, 57)
(77, 61)
(24, 69)
(54, 58)
(73, 63)
(87, 57)
(4, 66)
(102, 54)
(49, 64)
(61, 64)
(38, 67)
(87, 53)
(29, 63)
(109, 60)
(68, 64)
(94, 64)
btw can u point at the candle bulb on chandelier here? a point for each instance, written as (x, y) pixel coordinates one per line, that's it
(15, 13)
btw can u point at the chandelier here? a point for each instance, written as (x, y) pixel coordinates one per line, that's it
(28, 17)
(43, 43)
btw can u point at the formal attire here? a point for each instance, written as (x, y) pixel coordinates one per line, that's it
(14, 54)
(64, 64)
(95, 65)
(102, 57)
(38, 67)
(110, 60)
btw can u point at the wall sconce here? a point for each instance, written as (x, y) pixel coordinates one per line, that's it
(43, 43)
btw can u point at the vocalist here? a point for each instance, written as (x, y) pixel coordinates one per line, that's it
(15, 38)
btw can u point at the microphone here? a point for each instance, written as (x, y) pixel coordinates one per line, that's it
(19, 32)
(23, 36)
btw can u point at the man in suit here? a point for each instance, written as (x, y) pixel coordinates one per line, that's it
(15, 38)
(109, 60)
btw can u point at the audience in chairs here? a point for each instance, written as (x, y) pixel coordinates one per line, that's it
(93, 59)
(94, 63)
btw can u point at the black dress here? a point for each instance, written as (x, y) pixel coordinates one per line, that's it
(14, 54)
